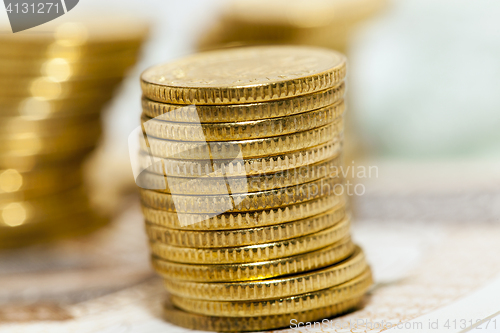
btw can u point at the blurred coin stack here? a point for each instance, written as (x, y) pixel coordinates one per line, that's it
(242, 190)
(54, 81)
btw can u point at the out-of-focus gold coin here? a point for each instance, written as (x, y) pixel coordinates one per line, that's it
(242, 237)
(25, 124)
(243, 112)
(240, 202)
(74, 40)
(238, 166)
(16, 183)
(229, 150)
(15, 213)
(354, 288)
(36, 108)
(246, 75)
(253, 253)
(242, 130)
(241, 220)
(272, 288)
(47, 88)
(242, 184)
(257, 323)
(256, 270)
(61, 69)
(76, 224)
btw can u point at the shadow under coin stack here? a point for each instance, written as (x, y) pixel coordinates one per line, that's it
(242, 191)
(54, 81)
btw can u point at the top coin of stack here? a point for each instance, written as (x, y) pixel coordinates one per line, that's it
(241, 188)
(54, 81)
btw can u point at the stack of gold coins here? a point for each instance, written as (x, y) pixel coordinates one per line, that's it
(54, 81)
(242, 190)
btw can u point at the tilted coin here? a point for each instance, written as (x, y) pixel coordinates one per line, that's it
(272, 288)
(159, 128)
(249, 236)
(241, 220)
(257, 270)
(253, 253)
(242, 184)
(238, 166)
(243, 112)
(245, 75)
(243, 201)
(257, 323)
(356, 287)
(228, 150)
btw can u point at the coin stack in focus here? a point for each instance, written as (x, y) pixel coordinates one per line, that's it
(242, 190)
(54, 80)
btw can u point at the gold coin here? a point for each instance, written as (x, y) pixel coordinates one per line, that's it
(33, 159)
(241, 237)
(74, 39)
(229, 150)
(257, 323)
(15, 213)
(243, 112)
(223, 185)
(50, 108)
(356, 287)
(67, 139)
(245, 75)
(29, 184)
(263, 128)
(76, 224)
(253, 253)
(45, 87)
(256, 270)
(272, 288)
(17, 125)
(241, 202)
(60, 69)
(241, 220)
(240, 167)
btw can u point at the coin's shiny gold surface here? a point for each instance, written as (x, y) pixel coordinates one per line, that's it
(356, 287)
(61, 69)
(238, 166)
(48, 88)
(242, 184)
(242, 130)
(246, 75)
(256, 270)
(16, 183)
(253, 253)
(240, 202)
(18, 212)
(243, 112)
(27, 124)
(250, 324)
(242, 220)
(272, 288)
(229, 150)
(241, 237)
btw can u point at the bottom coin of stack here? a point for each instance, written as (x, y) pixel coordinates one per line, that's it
(243, 213)
(54, 82)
